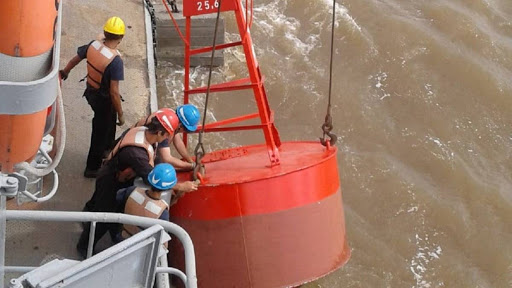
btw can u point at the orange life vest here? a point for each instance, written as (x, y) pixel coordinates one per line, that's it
(140, 204)
(98, 58)
(134, 137)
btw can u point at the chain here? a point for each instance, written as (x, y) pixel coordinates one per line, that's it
(151, 11)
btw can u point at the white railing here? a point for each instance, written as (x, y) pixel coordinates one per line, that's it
(189, 277)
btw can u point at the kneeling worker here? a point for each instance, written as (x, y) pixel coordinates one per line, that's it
(189, 116)
(132, 156)
(147, 202)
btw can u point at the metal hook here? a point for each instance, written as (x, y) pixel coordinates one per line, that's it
(198, 172)
(332, 139)
(199, 167)
(327, 127)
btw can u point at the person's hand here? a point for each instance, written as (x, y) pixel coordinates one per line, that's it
(63, 75)
(189, 186)
(192, 166)
(120, 119)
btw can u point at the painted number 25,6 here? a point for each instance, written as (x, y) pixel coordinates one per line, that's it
(207, 5)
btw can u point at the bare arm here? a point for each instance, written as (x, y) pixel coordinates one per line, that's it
(185, 187)
(180, 147)
(115, 97)
(71, 64)
(165, 154)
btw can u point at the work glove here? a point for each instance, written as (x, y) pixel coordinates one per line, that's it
(63, 75)
(120, 120)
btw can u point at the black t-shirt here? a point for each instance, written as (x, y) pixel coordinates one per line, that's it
(136, 158)
(114, 70)
(164, 144)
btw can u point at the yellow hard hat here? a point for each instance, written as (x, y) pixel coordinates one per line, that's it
(114, 25)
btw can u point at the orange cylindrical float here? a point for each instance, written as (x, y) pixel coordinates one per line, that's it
(27, 29)
(258, 226)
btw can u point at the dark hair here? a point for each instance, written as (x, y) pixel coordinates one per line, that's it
(154, 126)
(110, 36)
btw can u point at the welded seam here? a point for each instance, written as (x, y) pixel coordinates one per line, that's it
(243, 234)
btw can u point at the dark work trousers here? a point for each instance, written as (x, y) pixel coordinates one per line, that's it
(103, 128)
(103, 200)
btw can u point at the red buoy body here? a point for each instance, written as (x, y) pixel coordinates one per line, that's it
(259, 226)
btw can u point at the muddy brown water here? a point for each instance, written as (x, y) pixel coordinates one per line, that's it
(422, 97)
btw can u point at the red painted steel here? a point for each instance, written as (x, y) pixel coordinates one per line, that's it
(256, 226)
(240, 182)
(255, 79)
(217, 47)
(201, 7)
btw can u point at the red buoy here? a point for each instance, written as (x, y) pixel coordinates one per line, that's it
(260, 226)
(268, 215)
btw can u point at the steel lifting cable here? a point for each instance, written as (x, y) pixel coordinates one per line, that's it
(327, 126)
(199, 150)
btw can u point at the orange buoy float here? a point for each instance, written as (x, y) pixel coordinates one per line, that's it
(27, 30)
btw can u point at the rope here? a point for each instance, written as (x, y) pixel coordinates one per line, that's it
(199, 150)
(327, 126)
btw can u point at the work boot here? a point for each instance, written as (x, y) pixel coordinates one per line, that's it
(88, 173)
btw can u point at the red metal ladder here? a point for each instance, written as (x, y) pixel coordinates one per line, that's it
(254, 81)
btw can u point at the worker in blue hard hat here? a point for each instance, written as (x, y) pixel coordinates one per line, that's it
(188, 116)
(147, 202)
(132, 156)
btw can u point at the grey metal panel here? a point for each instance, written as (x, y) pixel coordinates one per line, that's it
(131, 263)
(50, 268)
(28, 97)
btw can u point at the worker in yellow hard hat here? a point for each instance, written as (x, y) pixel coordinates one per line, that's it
(104, 71)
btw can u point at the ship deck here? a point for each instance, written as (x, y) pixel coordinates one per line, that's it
(30, 244)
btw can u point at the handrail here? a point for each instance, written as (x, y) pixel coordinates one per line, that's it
(174, 271)
(190, 276)
(49, 195)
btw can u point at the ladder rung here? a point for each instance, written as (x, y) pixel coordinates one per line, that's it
(217, 47)
(234, 128)
(230, 121)
(239, 84)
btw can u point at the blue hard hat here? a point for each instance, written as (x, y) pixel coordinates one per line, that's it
(189, 116)
(163, 176)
